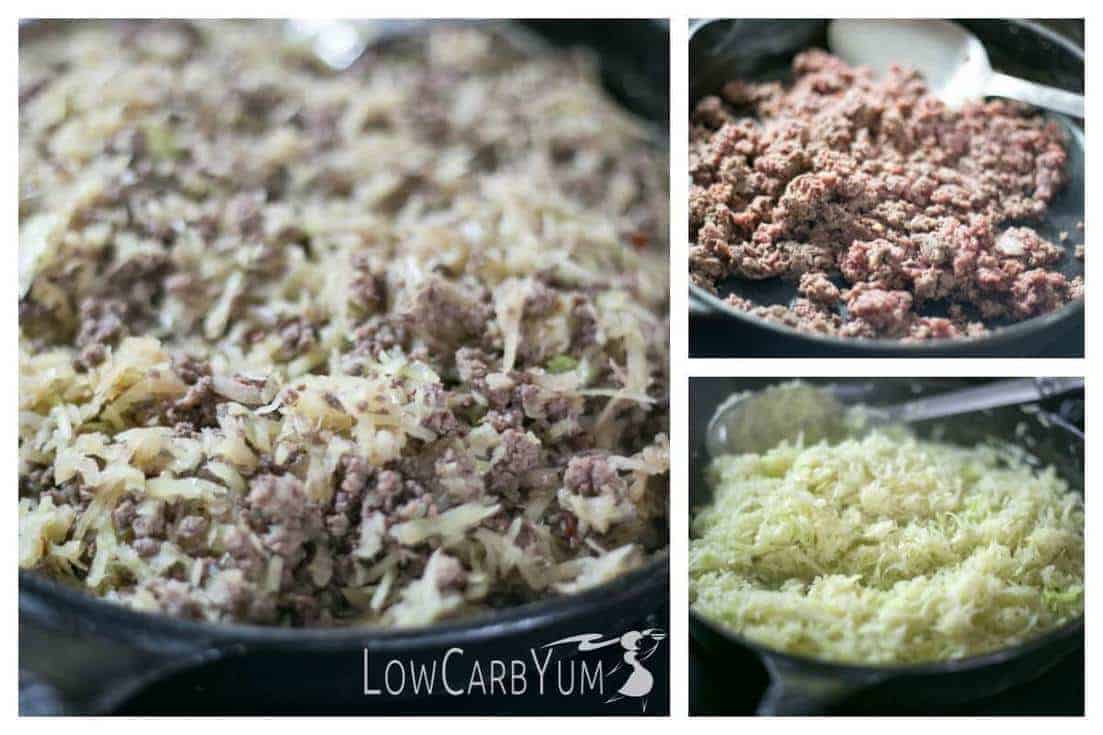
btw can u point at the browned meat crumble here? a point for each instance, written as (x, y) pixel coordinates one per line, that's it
(876, 200)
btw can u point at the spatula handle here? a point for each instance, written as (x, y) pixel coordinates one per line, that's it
(993, 395)
(1039, 95)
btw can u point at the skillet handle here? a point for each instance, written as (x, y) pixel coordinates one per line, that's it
(70, 672)
(794, 690)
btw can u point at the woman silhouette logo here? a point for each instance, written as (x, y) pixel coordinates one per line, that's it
(638, 645)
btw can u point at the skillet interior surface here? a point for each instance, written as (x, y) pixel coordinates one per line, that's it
(1054, 439)
(762, 50)
(50, 612)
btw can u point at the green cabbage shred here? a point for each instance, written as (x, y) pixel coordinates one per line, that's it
(887, 549)
(562, 364)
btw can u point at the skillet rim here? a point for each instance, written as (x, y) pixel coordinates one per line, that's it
(996, 657)
(53, 603)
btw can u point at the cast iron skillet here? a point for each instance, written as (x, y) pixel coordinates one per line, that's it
(83, 655)
(721, 50)
(800, 685)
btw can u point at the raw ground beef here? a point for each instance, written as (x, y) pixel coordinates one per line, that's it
(876, 185)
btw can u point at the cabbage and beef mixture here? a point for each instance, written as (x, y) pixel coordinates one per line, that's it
(881, 205)
(300, 347)
(887, 548)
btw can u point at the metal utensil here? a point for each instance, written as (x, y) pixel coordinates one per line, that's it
(339, 43)
(754, 422)
(951, 59)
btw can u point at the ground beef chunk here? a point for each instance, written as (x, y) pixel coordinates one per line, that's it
(1024, 244)
(706, 267)
(441, 421)
(190, 532)
(502, 420)
(819, 288)
(540, 301)
(549, 406)
(231, 594)
(297, 335)
(356, 474)
(149, 519)
(878, 311)
(146, 547)
(815, 316)
(803, 314)
(189, 369)
(197, 408)
(445, 314)
(518, 453)
(593, 475)
(123, 514)
(102, 324)
(140, 280)
(472, 364)
(282, 513)
(379, 334)
(400, 496)
(368, 290)
(876, 181)
(176, 598)
(1039, 291)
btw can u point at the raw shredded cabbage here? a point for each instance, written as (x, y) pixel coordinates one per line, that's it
(887, 549)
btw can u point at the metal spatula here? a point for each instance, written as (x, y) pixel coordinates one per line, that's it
(755, 422)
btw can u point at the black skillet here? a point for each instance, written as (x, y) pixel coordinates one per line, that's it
(83, 655)
(800, 685)
(721, 50)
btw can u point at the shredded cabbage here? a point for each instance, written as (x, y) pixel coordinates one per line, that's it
(887, 549)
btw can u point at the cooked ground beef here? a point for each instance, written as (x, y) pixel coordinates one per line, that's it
(303, 347)
(877, 200)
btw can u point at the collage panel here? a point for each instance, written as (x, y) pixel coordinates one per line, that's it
(344, 367)
(887, 546)
(345, 380)
(886, 187)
